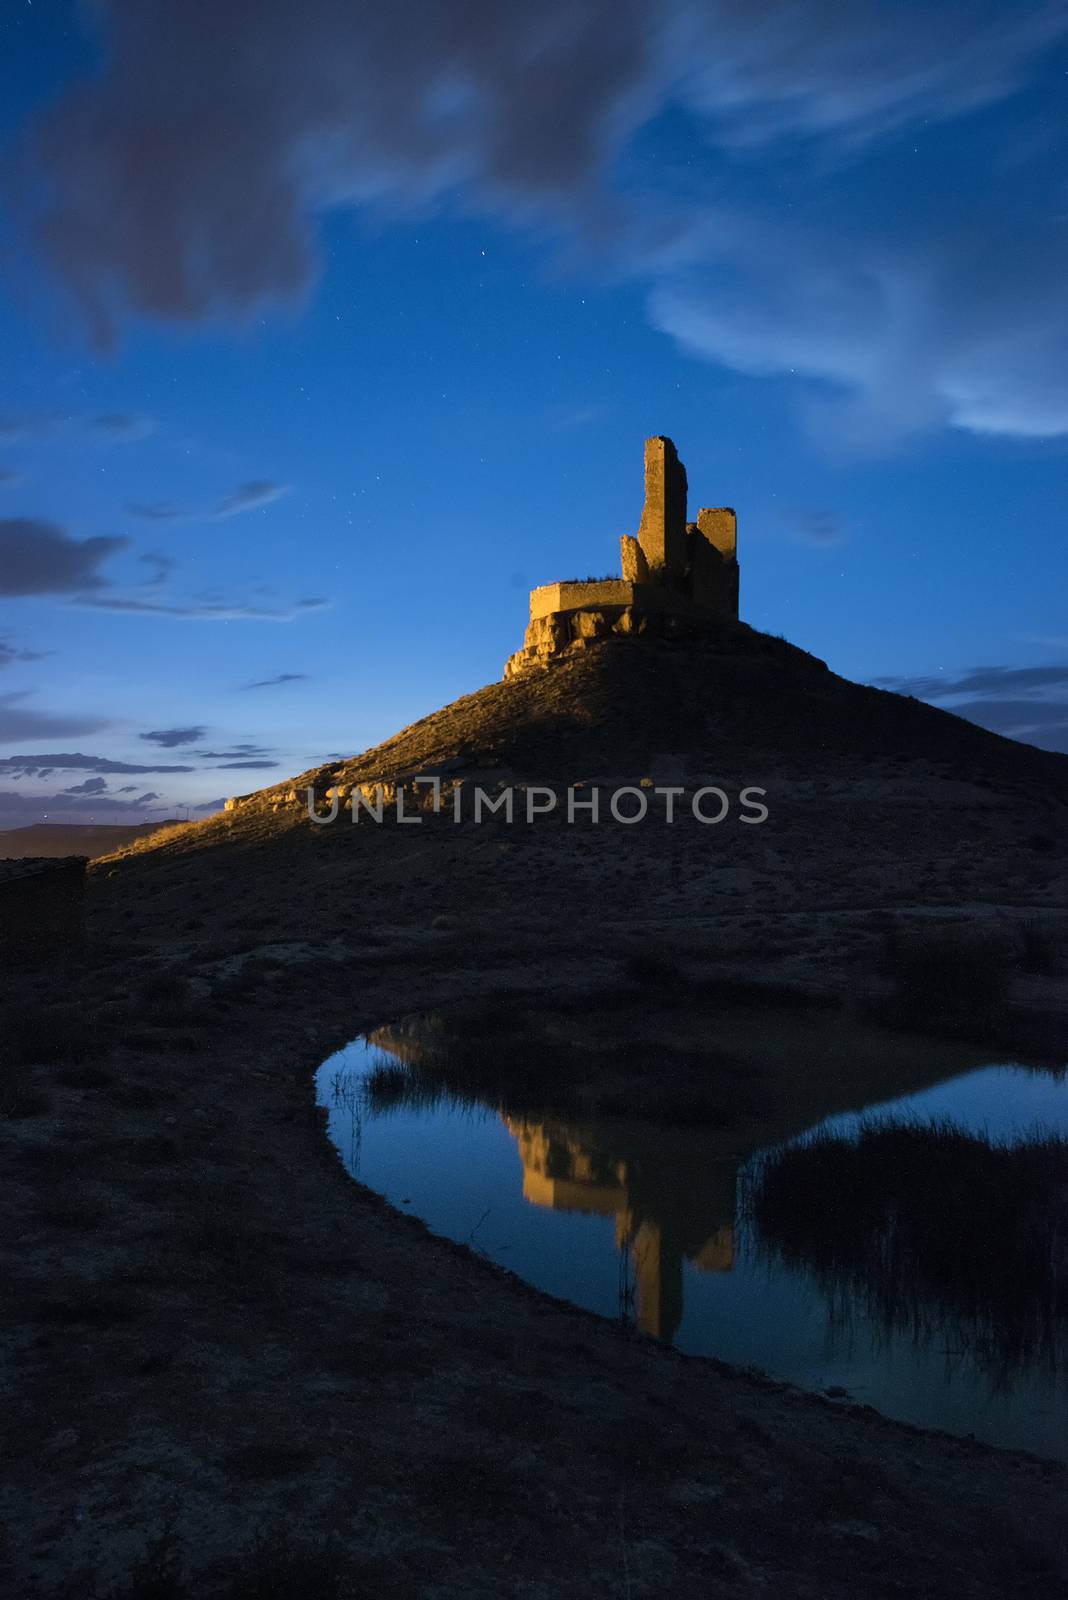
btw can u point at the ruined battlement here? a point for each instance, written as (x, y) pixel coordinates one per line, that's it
(678, 577)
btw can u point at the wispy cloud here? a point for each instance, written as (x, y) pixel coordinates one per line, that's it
(246, 766)
(10, 652)
(160, 567)
(239, 752)
(1027, 703)
(73, 761)
(251, 496)
(20, 722)
(155, 511)
(198, 610)
(1030, 681)
(171, 738)
(886, 321)
(276, 682)
(822, 528)
(111, 427)
(27, 429)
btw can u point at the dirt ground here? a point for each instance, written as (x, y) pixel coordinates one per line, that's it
(228, 1371)
(231, 1371)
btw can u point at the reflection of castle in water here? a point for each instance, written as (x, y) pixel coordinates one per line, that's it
(667, 1210)
(672, 1189)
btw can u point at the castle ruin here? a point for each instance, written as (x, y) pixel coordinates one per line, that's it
(679, 578)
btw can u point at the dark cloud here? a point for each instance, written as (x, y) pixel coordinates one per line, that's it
(211, 805)
(250, 497)
(39, 558)
(73, 761)
(245, 766)
(131, 788)
(1026, 703)
(280, 678)
(187, 178)
(89, 786)
(170, 738)
(239, 752)
(18, 723)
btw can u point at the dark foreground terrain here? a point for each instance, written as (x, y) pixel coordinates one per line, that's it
(230, 1371)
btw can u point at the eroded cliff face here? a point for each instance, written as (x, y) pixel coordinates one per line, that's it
(612, 610)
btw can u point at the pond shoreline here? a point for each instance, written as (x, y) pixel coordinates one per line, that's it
(612, 1205)
(210, 1324)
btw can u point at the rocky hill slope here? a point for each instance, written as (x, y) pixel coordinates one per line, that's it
(877, 805)
(743, 700)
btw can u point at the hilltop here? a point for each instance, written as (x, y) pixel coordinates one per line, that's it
(876, 802)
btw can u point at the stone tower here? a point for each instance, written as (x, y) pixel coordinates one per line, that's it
(662, 532)
(678, 578)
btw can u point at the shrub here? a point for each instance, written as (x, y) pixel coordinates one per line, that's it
(928, 1226)
(946, 970)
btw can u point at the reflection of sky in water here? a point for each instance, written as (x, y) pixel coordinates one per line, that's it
(462, 1172)
(1005, 1102)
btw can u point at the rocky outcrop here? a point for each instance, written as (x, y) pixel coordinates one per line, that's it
(567, 633)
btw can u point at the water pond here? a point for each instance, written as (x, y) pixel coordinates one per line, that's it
(631, 1218)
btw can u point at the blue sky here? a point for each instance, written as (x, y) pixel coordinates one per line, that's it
(326, 333)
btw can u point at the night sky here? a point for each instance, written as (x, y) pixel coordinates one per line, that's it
(328, 329)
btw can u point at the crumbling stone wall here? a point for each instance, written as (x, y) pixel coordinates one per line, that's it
(635, 566)
(678, 577)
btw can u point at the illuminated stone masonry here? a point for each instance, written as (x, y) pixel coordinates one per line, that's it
(679, 578)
